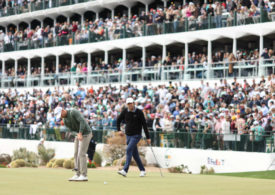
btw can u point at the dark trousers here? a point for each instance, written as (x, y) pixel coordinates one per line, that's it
(132, 151)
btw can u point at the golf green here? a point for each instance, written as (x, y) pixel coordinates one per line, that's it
(54, 181)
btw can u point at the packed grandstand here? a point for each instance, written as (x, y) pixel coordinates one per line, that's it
(136, 44)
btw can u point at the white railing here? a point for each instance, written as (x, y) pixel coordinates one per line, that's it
(251, 68)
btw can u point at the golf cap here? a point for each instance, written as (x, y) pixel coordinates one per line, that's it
(57, 112)
(129, 101)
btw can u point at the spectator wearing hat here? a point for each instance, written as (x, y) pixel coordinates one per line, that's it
(134, 120)
(193, 130)
(168, 123)
(207, 133)
(258, 132)
(241, 128)
(157, 128)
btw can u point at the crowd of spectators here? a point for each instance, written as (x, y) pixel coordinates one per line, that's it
(245, 109)
(64, 33)
(219, 59)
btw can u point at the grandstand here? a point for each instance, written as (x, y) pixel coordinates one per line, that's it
(218, 57)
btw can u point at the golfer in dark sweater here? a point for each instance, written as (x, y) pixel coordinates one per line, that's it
(134, 120)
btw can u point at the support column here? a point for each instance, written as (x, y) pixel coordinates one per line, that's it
(97, 15)
(106, 57)
(3, 73)
(89, 63)
(234, 51)
(165, 3)
(164, 53)
(68, 19)
(30, 25)
(146, 8)
(185, 61)
(42, 70)
(72, 61)
(129, 13)
(17, 27)
(143, 57)
(124, 65)
(15, 66)
(57, 64)
(42, 24)
(42, 67)
(261, 50)
(82, 19)
(54, 22)
(89, 68)
(113, 14)
(29, 67)
(209, 58)
(29, 72)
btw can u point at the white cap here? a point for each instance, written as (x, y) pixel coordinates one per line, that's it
(57, 112)
(222, 115)
(255, 123)
(129, 100)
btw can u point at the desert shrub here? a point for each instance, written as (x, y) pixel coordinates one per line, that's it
(116, 148)
(58, 163)
(45, 155)
(97, 159)
(206, 171)
(5, 159)
(21, 163)
(67, 164)
(27, 156)
(179, 169)
(49, 165)
(72, 164)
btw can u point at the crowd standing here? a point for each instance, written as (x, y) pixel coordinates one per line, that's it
(204, 116)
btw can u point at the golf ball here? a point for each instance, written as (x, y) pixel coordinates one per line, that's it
(105, 182)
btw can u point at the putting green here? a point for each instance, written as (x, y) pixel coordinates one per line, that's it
(54, 181)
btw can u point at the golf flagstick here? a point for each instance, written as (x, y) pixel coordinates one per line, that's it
(156, 160)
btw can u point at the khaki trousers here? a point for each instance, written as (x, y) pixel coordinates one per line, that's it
(80, 150)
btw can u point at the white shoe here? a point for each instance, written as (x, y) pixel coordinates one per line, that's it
(142, 174)
(82, 178)
(74, 178)
(122, 172)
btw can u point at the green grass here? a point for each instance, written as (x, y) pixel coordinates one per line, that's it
(41, 181)
(258, 174)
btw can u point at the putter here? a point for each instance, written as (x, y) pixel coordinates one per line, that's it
(156, 160)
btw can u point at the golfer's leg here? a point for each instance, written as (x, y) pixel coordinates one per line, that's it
(84, 144)
(76, 161)
(129, 152)
(137, 159)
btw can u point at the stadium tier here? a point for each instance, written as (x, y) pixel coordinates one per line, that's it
(82, 43)
(46, 43)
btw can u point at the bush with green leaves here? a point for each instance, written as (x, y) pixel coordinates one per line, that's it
(91, 164)
(97, 159)
(26, 155)
(45, 155)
